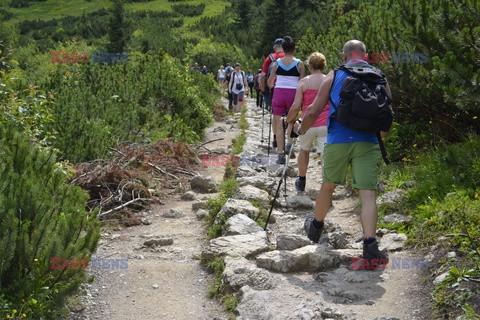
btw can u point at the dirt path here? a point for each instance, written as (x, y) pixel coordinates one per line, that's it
(163, 282)
(167, 282)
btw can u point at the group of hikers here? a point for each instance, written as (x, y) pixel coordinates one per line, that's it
(286, 91)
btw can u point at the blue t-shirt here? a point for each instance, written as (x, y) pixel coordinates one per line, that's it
(338, 133)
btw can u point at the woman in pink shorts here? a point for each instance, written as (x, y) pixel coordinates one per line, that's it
(306, 92)
(286, 73)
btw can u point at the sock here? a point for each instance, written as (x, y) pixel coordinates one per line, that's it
(369, 240)
(274, 137)
(317, 224)
(302, 178)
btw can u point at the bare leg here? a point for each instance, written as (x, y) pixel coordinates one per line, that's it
(303, 159)
(368, 216)
(279, 132)
(324, 200)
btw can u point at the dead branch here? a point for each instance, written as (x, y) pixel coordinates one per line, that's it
(121, 206)
(211, 141)
(163, 171)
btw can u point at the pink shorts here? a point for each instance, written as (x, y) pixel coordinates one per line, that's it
(282, 101)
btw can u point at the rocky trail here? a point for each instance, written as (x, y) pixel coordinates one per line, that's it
(276, 274)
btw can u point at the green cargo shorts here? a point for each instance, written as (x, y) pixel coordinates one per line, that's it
(364, 157)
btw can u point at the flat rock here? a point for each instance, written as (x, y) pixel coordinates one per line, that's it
(245, 172)
(260, 181)
(173, 213)
(251, 193)
(393, 241)
(241, 272)
(204, 184)
(310, 258)
(245, 245)
(291, 241)
(299, 201)
(240, 224)
(198, 205)
(395, 217)
(391, 196)
(236, 206)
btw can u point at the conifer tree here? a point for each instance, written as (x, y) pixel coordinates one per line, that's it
(118, 28)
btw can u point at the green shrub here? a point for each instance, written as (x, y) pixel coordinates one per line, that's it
(42, 217)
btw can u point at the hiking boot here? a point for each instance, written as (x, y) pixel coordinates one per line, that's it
(373, 257)
(312, 233)
(281, 158)
(300, 184)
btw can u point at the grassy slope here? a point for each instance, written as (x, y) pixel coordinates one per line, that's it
(51, 9)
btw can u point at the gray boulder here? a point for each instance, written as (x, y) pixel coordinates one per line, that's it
(204, 184)
(240, 224)
(245, 245)
(291, 241)
(251, 193)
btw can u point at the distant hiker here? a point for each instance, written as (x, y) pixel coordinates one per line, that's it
(344, 147)
(256, 84)
(287, 72)
(204, 70)
(228, 73)
(306, 92)
(196, 67)
(237, 86)
(221, 78)
(250, 82)
(267, 93)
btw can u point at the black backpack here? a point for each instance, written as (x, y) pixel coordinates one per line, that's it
(364, 102)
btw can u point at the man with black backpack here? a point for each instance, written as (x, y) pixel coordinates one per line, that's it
(359, 116)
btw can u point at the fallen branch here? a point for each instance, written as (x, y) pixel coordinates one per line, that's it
(211, 141)
(163, 171)
(456, 235)
(121, 206)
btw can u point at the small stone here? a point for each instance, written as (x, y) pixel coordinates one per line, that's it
(158, 242)
(173, 213)
(198, 205)
(146, 221)
(189, 196)
(204, 184)
(451, 254)
(201, 214)
(155, 286)
(397, 218)
(439, 279)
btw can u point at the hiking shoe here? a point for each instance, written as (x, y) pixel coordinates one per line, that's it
(281, 158)
(373, 257)
(300, 184)
(312, 233)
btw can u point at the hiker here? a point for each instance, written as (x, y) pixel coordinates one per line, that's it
(266, 92)
(287, 72)
(221, 78)
(196, 67)
(306, 92)
(228, 73)
(237, 87)
(256, 83)
(250, 82)
(204, 70)
(344, 147)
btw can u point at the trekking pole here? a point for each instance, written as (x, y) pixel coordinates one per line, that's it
(263, 114)
(283, 177)
(285, 165)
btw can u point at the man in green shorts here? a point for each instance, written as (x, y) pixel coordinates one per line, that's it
(344, 147)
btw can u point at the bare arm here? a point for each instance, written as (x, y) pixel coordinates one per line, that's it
(261, 81)
(318, 104)
(273, 75)
(230, 83)
(297, 103)
(301, 66)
